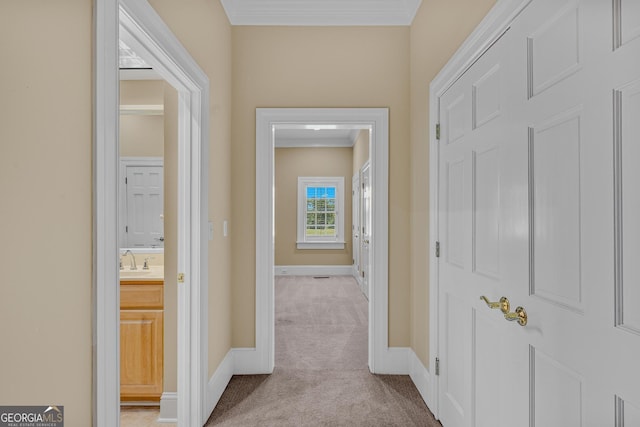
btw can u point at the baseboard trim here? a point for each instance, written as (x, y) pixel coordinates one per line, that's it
(313, 270)
(420, 377)
(218, 383)
(168, 407)
(392, 361)
(250, 361)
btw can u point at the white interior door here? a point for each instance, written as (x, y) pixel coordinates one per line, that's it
(365, 227)
(534, 207)
(355, 225)
(479, 183)
(144, 223)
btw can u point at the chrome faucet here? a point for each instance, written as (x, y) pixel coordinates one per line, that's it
(133, 259)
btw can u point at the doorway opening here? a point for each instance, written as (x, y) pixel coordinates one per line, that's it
(380, 358)
(320, 282)
(143, 30)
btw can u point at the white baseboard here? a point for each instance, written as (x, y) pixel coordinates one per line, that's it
(420, 377)
(250, 361)
(218, 383)
(168, 408)
(313, 270)
(393, 361)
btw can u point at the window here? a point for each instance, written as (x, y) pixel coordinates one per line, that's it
(320, 213)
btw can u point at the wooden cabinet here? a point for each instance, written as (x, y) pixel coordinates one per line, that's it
(141, 340)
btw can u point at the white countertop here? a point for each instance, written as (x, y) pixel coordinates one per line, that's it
(153, 274)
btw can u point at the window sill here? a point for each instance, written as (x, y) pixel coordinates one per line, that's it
(320, 245)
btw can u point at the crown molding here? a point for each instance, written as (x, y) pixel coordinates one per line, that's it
(321, 12)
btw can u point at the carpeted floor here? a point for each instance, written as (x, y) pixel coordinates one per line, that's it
(321, 376)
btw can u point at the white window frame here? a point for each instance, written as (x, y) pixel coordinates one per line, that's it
(305, 242)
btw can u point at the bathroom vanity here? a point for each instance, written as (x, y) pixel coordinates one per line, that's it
(141, 334)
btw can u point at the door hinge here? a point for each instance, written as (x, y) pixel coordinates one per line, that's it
(126, 228)
(438, 131)
(363, 185)
(126, 180)
(437, 249)
(180, 277)
(437, 366)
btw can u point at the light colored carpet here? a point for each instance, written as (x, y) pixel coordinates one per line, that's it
(321, 376)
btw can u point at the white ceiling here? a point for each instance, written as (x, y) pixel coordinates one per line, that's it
(321, 12)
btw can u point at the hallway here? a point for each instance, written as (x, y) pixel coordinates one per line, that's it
(321, 375)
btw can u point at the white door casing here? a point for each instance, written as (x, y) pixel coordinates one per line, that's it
(536, 201)
(365, 227)
(355, 225)
(382, 359)
(138, 23)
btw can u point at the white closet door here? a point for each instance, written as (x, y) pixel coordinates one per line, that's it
(539, 204)
(145, 206)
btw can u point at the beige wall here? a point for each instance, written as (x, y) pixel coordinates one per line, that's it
(141, 92)
(290, 163)
(141, 135)
(360, 151)
(438, 29)
(203, 29)
(318, 67)
(45, 205)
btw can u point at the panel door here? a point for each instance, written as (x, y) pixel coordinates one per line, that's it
(365, 227)
(145, 207)
(482, 248)
(540, 205)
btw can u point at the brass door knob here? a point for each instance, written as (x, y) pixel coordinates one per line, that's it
(520, 315)
(502, 304)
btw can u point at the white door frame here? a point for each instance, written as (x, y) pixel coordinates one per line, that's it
(365, 282)
(260, 359)
(494, 24)
(137, 22)
(355, 225)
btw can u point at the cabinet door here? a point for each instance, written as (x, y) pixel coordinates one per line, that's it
(141, 347)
